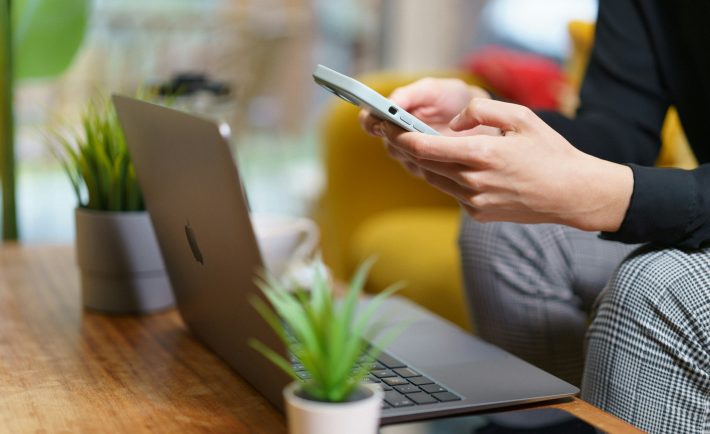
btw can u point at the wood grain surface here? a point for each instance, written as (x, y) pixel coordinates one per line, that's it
(65, 370)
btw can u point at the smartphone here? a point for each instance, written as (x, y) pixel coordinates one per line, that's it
(361, 95)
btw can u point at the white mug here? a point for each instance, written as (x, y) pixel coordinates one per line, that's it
(285, 241)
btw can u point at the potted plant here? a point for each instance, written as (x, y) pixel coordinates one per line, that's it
(122, 270)
(330, 345)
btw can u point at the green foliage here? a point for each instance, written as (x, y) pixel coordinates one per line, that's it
(7, 148)
(47, 34)
(40, 39)
(97, 163)
(326, 336)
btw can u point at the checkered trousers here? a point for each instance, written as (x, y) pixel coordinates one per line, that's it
(648, 348)
(532, 289)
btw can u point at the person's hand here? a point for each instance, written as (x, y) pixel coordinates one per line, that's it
(530, 174)
(434, 101)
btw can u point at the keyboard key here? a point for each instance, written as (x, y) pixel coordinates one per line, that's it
(396, 399)
(420, 380)
(385, 405)
(385, 387)
(395, 381)
(433, 388)
(383, 373)
(445, 396)
(390, 361)
(374, 365)
(421, 398)
(407, 388)
(406, 372)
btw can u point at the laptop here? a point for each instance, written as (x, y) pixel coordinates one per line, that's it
(198, 207)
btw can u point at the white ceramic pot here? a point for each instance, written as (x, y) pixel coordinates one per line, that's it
(360, 416)
(122, 269)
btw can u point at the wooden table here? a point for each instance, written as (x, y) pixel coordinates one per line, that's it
(66, 370)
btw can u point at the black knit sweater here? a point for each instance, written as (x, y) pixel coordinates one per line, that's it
(648, 55)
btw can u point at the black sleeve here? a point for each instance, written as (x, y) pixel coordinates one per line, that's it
(670, 207)
(623, 99)
(623, 104)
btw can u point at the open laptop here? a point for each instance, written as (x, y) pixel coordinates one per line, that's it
(201, 218)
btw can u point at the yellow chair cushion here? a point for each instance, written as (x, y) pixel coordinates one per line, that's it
(417, 246)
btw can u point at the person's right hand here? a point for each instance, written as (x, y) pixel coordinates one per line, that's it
(434, 101)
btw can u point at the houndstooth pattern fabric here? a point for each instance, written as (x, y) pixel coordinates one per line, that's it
(532, 288)
(648, 348)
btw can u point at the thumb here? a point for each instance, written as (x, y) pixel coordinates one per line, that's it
(492, 113)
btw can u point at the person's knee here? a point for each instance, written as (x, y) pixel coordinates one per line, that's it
(650, 334)
(643, 279)
(652, 288)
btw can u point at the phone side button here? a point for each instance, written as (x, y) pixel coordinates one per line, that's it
(406, 119)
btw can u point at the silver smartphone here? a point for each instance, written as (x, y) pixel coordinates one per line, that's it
(361, 95)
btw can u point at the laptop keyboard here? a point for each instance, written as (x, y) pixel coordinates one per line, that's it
(403, 386)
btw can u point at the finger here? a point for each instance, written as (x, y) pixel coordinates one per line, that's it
(368, 122)
(421, 93)
(468, 150)
(458, 173)
(398, 155)
(448, 186)
(414, 169)
(474, 213)
(405, 160)
(479, 92)
(485, 130)
(506, 116)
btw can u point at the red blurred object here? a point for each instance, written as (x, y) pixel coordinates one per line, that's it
(519, 77)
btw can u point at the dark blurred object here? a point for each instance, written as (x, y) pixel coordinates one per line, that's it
(186, 84)
(532, 421)
(199, 94)
(576, 426)
(523, 78)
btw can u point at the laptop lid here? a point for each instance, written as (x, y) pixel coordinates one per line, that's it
(201, 219)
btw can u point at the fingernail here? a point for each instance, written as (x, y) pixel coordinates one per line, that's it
(379, 131)
(455, 120)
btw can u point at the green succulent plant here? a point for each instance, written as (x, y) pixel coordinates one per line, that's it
(97, 163)
(326, 336)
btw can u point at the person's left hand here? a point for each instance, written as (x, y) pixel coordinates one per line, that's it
(530, 174)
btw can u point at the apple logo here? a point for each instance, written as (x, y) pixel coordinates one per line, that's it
(192, 240)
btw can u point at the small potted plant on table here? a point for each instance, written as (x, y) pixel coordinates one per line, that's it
(331, 355)
(121, 266)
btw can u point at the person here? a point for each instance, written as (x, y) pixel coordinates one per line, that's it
(569, 229)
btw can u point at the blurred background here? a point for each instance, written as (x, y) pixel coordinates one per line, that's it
(260, 53)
